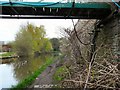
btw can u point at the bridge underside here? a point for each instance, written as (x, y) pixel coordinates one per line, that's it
(33, 10)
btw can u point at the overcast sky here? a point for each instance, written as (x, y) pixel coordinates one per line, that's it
(9, 27)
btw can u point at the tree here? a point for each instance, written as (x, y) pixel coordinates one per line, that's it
(23, 43)
(55, 43)
(31, 39)
(47, 46)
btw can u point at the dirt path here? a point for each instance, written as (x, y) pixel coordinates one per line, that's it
(46, 77)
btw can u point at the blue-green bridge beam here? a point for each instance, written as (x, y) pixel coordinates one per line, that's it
(35, 10)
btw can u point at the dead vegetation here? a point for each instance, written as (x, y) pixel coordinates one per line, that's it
(90, 60)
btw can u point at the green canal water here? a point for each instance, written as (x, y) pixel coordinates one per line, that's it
(19, 69)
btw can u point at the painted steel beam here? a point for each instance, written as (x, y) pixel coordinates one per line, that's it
(55, 5)
(54, 10)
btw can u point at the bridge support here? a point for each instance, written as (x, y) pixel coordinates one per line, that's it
(110, 36)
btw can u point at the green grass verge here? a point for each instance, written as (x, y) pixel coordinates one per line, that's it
(7, 54)
(29, 80)
(59, 74)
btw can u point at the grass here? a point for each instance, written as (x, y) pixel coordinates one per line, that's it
(59, 74)
(29, 80)
(7, 54)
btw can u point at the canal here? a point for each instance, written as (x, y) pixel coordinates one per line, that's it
(13, 72)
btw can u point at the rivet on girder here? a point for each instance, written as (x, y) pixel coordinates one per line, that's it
(43, 9)
(50, 9)
(57, 10)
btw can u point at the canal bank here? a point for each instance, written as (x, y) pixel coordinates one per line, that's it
(7, 57)
(46, 78)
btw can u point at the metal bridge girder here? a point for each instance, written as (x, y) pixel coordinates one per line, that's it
(35, 10)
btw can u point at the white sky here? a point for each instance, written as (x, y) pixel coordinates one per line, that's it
(9, 27)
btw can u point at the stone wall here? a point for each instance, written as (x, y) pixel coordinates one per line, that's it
(111, 32)
(103, 67)
(108, 39)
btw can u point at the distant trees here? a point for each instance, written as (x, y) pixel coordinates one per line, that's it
(55, 44)
(31, 39)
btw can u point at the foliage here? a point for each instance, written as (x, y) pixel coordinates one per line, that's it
(60, 74)
(55, 43)
(31, 39)
(23, 42)
(47, 46)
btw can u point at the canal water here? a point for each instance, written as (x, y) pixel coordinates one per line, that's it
(19, 69)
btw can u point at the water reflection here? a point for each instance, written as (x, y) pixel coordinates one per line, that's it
(23, 67)
(7, 76)
(20, 69)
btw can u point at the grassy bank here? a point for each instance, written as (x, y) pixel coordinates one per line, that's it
(7, 54)
(60, 74)
(61, 71)
(29, 80)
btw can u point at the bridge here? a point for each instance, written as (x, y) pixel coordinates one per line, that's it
(54, 10)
